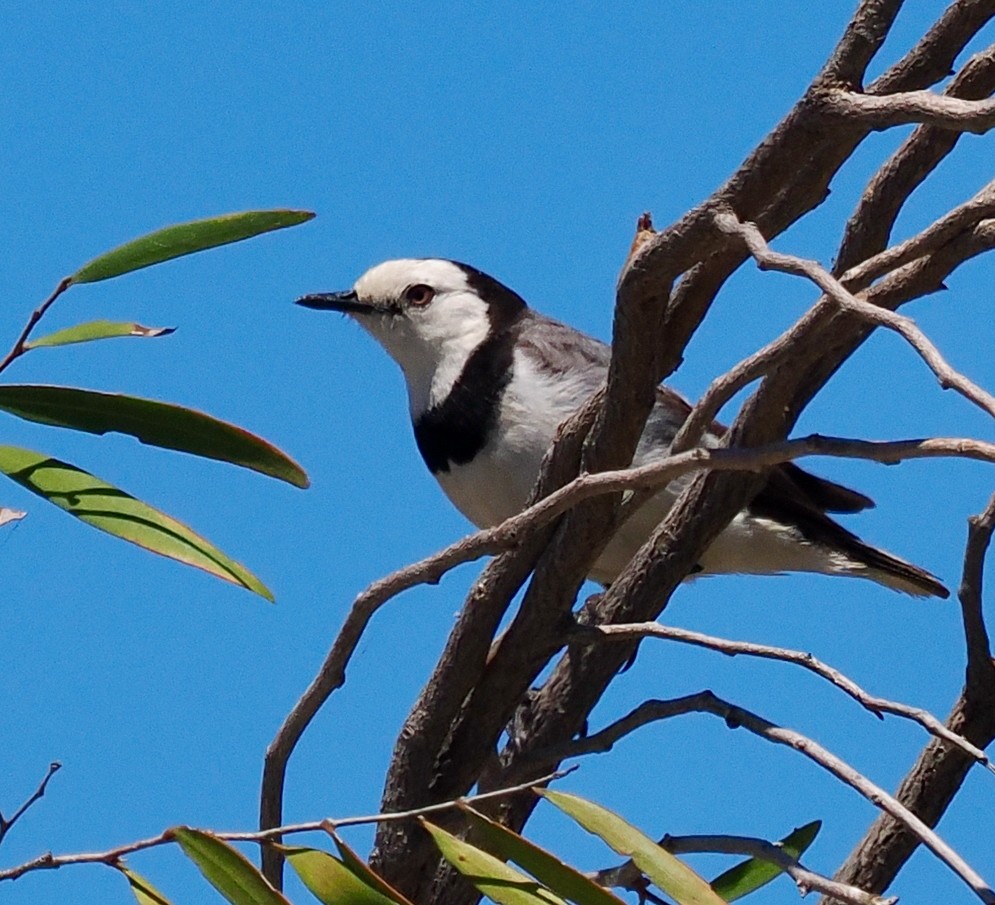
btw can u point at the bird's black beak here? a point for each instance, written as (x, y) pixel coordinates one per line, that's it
(335, 301)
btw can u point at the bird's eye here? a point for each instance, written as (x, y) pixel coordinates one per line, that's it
(419, 294)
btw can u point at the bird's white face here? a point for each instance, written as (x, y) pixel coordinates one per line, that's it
(426, 314)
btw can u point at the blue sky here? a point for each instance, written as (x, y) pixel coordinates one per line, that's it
(525, 140)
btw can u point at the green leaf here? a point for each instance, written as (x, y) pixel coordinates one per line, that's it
(363, 870)
(491, 876)
(91, 330)
(753, 873)
(227, 870)
(104, 506)
(330, 881)
(152, 422)
(544, 866)
(144, 892)
(671, 875)
(185, 239)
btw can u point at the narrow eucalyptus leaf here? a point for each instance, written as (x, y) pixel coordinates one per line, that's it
(363, 870)
(492, 877)
(185, 239)
(154, 423)
(561, 878)
(664, 870)
(330, 881)
(110, 509)
(226, 869)
(748, 876)
(143, 891)
(91, 330)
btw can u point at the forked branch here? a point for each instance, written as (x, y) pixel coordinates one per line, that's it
(736, 717)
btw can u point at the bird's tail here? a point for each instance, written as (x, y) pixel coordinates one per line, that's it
(893, 572)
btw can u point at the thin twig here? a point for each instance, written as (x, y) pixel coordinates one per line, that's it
(5, 823)
(19, 347)
(767, 259)
(112, 856)
(754, 366)
(736, 717)
(629, 876)
(876, 705)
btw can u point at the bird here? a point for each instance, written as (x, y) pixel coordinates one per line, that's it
(489, 381)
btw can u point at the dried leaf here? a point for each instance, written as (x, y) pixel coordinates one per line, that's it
(10, 515)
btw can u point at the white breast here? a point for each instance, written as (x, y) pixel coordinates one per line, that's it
(497, 483)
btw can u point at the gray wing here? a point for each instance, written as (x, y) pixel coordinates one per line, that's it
(559, 348)
(785, 481)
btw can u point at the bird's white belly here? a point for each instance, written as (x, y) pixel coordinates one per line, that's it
(490, 488)
(497, 483)
(748, 545)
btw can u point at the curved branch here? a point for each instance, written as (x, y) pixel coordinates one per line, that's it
(628, 876)
(768, 259)
(979, 651)
(876, 705)
(957, 222)
(940, 770)
(880, 112)
(736, 717)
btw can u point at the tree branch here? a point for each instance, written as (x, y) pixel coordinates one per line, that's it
(979, 655)
(876, 705)
(7, 823)
(900, 109)
(113, 856)
(867, 231)
(628, 876)
(956, 223)
(940, 769)
(837, 292)
(736, 717)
